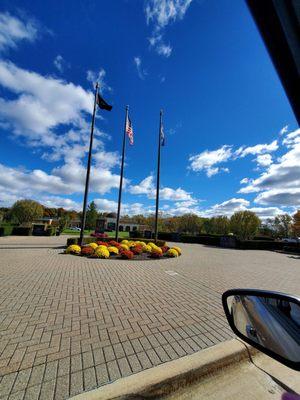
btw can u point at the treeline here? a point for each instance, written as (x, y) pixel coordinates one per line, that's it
(244, 224)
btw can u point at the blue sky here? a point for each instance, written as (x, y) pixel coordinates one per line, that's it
(232, 141)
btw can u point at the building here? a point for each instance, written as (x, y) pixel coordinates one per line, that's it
(109, 224)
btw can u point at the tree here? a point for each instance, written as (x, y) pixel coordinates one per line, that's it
(282, 225)
(190, 223)
(25, 211)
(220, 225)
(63, 222)
(91, 216)
(296, 224)
(244, 224)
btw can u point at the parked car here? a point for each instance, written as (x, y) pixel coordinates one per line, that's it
(291, 240)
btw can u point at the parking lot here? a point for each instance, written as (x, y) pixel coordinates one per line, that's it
(69, 324)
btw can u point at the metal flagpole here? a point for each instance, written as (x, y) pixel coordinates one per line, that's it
(87, 179)
(121, 176)
(158, 176)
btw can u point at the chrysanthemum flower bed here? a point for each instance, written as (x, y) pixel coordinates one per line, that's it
(125, 250)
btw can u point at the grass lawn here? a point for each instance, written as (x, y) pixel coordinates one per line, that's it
(88, 232)
(71, 232)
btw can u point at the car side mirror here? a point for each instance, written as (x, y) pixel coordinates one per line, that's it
(269, 321)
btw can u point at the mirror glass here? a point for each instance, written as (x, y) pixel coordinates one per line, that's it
(272, 322)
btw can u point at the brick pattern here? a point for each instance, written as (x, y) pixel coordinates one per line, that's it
(70, 324)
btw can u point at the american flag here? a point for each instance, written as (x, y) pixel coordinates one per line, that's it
(129, 130)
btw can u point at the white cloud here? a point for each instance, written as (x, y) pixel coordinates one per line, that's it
(105, 205)
(244, 180)
(207, 160)
(228, 207)
(42, 104)
(164, 49)
(292, 138)
(59, 63)
(93, 77)
(160, 13)
(266, 212)
(257, 149)
(144, 187)
(14, 30)
(147, 187)
(279, 184)
(264, 160)
(289, 197)
(284, 130)
(65, 180)
(138, 63)
(233, 205)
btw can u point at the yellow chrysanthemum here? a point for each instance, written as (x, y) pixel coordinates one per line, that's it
(178, 249)
(147, 249)
(102, 252)
(124, 246)
(172, 253)
(93, 245)
(113, 250)
(73, 249)
(157, 249)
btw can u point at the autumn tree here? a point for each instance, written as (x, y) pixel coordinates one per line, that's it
(244, 224)
(26, 211)
(282, 225)
(296, 224)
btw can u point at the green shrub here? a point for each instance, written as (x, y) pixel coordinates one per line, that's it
(50, 231)
(262, 245)
(86, 240)
(6, 230)
(22, 231)
(209, 240)
(169, 236)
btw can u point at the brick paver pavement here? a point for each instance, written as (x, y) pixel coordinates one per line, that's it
(70, 324)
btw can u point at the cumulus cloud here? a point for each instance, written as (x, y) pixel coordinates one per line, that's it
(292, 138)
(147, 187)
(105, 205)
(279, 183)
(14, 30)
(138, 63)
(233, 205)
(264, 160)
(161, 13)
(67, 179)
(41, 103)
(207, 160)
(257, 149)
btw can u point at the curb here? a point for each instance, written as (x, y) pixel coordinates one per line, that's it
(172, 375)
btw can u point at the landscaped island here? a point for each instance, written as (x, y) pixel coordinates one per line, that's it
(126, 249)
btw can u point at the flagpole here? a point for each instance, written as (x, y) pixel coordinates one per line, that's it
(87, 179)
(158, 177)
(121, 175)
